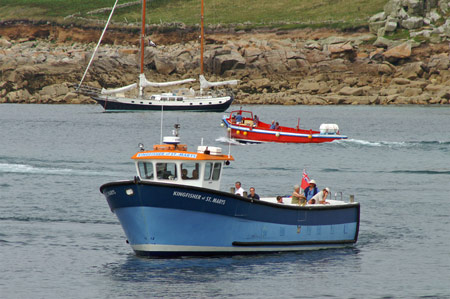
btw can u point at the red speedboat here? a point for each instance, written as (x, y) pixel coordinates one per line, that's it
(244, 127)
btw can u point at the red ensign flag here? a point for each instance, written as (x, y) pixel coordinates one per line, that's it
(305, 181)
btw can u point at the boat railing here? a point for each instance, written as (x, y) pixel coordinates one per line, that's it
(287, 201)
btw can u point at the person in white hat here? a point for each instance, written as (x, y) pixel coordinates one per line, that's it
(321, 197)
(311, 190)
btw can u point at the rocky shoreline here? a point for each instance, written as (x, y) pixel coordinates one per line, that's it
(39, 63)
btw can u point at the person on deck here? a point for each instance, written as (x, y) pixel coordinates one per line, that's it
(239, 190)
(238, 118)
(252, 194)
(311, 190)
(297, 197)
(272, 126)
(277, 126)
(255, 121)
(321, 197)
(279, 199)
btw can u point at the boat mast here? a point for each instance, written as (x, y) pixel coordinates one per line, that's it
(202, 35)
(142, 45)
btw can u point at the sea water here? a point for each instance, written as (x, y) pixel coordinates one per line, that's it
(58, 238)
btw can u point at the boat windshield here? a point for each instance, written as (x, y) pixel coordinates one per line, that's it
(190, 171)
(146, 170)
(166, 171)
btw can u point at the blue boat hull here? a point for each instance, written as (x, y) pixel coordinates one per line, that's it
(175, 220)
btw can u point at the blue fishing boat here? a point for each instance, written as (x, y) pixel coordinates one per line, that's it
(174, 207)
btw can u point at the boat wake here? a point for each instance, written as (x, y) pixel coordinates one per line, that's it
(30, 169)
(228, 140)
(55, 220)
(371, 143)
(428, 145)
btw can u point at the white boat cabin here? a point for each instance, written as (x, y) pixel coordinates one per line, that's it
(171, 163)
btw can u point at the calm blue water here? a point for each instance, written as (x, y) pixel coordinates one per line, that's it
(58, 238)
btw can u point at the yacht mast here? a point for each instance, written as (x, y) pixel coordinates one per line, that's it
(142, 45)
(201, 41)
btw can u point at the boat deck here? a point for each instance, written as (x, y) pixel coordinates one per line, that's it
(287, 202)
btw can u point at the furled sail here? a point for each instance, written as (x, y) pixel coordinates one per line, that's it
(206, 84)
(143, 82)
(120, 89)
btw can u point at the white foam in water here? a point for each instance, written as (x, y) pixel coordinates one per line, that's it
(374, 143)
(227, 140)
(29, 169)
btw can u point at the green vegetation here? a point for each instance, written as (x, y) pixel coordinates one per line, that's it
(288, 13)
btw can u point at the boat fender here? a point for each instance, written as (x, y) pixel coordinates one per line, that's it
(227, 162)
(245, 133)
(277, 134)
(309, 136)
(228, 129)
(238, 132)
(222, 125)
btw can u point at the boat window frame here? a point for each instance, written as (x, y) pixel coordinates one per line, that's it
(146, 168)
(217, 171)
(208, 167)
(196, 167)
(166, 176)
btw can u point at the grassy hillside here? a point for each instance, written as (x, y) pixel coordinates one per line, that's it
(335, 13)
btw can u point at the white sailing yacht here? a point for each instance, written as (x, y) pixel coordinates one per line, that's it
(204, 99)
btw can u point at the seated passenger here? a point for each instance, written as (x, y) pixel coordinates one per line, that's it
(184, 174)
(277, 126)
(297, 197)
(252, 194)
(311, 190)
(272, 126)
(194, 174)
(320, 198)
(238, 119)
(279, 199)
(255, 121)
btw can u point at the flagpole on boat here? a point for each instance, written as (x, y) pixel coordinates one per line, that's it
(142, 46)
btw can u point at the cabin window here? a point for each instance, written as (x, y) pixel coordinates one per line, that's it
(212, 171)
(153, 98)
(166, 171)
(146, 170)
(190, 171)
(163, 99)
(216, 171)
(179, 99)
(208, 171)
